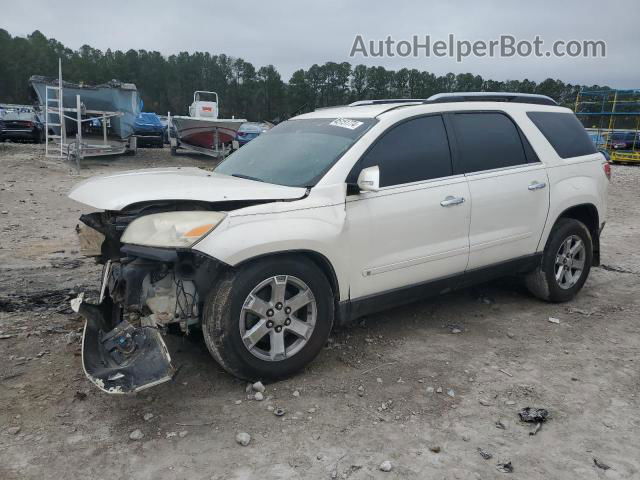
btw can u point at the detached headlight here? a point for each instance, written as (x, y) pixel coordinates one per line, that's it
(171, 229)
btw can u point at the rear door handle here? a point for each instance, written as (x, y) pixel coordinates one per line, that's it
(450, 201)
(536, 185)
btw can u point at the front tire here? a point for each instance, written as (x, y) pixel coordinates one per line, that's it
(566, 262)
(269, 319)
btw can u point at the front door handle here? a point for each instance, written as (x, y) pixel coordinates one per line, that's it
(536, 185)
(450, 201)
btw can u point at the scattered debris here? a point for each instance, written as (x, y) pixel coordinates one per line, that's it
(554, 320)
(377, 366)
(147, 416)
(435, 448)
(453, 328)
(80, 395)
(136, 435)
(195, 424)
(243, 438)
(505, 372)
(533, 415)
(600, 465)
(238, 402)
(170, 434)
(183, 433)
(258, 387)
(586, 313)
(53, 300)
(5, 337)
(501, 425)
(484, 454)
(485, 403)
(386, 466)
(451, 393)
(505, 467)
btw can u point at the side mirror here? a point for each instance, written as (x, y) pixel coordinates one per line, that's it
(369, 179)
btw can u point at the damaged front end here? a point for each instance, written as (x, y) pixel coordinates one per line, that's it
(144, 292)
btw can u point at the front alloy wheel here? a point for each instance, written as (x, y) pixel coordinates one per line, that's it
(270, 318)
(278, 318)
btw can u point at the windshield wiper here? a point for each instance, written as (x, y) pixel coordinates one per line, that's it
(247, 177)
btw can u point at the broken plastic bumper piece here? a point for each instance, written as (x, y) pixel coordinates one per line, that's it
(124, 358)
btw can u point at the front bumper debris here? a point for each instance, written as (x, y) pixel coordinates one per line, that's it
(122, 359)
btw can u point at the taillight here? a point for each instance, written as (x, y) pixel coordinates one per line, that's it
(607, 170)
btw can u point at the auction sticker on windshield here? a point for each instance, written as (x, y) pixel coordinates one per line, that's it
(346, 123)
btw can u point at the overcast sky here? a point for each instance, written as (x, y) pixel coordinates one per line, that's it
(297, 34)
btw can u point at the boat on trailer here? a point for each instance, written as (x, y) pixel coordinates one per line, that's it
(87, 120)
(202, 131)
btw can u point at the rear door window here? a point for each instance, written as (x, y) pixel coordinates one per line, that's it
(564, 132)
(412, 151)
(487, 140)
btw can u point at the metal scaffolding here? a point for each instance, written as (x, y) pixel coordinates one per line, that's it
(608, 112)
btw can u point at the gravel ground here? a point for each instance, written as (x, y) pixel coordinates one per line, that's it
(399, 387)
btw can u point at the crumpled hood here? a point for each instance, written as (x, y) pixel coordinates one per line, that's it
(114, 192)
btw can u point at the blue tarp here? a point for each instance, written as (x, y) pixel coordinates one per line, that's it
(148, 121)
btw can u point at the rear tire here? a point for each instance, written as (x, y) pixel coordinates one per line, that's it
(228, 318)
(560, 276)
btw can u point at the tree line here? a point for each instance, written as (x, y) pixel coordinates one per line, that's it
(167, 83)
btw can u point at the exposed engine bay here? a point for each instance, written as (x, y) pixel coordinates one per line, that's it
(144, 291)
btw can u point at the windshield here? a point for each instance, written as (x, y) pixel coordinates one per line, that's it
(296, 153)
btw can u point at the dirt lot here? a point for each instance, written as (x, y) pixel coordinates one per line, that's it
(400, 386)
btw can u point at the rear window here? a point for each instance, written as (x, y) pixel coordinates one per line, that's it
(564, 132)
(486, 141)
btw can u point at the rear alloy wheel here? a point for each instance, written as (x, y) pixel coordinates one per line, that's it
(566, 262)
(570, 261)
(270, 318)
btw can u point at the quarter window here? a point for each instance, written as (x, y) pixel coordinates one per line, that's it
(412, 151)
(487, 140)
(564, 132)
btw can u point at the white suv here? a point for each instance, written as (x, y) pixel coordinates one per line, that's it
(333, 215)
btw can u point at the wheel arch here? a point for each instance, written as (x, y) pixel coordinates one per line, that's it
(587, 213)
(320, 260)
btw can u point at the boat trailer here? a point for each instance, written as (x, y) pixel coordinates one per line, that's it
(60, 146)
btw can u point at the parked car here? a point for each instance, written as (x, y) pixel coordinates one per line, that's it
(21, 127)
(250, 130)
(623, 140)
(333, 215)
(149, 130)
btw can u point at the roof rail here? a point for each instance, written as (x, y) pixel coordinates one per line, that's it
(384, 101)
(491, 97)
